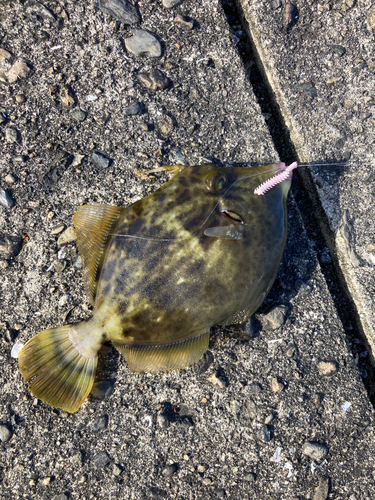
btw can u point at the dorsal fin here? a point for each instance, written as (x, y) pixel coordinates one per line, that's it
(93, 224)
(171, 169)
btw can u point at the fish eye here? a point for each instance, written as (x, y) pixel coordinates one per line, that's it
(216, 181)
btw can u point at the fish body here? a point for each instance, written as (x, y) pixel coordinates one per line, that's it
(201, 250)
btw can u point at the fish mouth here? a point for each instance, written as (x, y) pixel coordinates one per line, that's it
(232, 216)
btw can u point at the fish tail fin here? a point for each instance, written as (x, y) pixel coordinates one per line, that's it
(63, 378)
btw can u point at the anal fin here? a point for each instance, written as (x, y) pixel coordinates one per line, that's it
(165, 357)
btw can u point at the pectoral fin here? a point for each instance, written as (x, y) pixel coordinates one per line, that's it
(165, 357)
(231, 232)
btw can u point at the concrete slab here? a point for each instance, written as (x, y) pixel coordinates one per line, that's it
(281, 413)
(319, 61)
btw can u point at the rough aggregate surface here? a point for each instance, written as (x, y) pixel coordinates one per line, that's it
(216, 429)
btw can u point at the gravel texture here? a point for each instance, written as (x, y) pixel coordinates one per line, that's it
(321, 68)
(217, 429)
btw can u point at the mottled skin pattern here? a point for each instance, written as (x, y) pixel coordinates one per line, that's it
(163, 279)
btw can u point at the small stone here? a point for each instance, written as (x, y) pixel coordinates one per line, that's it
(103, 389)
(302, 288)
(157, 493)
(10, 245)
(204, 363)
(78, 262)
(165, 125)
(290, 15)
(327, 368)
(20, 98)
(10, 179)
(338, 49)
(101, 460)
(19, 70)
(249, 328)
(321, 492)
(16, 350)
(255, 388)
(59, 265)
(325, 258)
(4, 264)
(162, 420)
(220, 493)
(275, 4)
(21, 158)
(308, 89)
(251, 477)
(122, 10)
(76, 460)
(116, 470)
(217, 379)
(45, 481)
(99, 423)
(136, 108)
(67, 97)
(154, 80)
(59, 228)
(68, 236)
(100, 160)
(316, 451)
(170, 470)
(276, 317)
(207, 481)
(5, 433)
(36, 9)
(11, 134)
(269, 418)
(265, 434)
(6, 199)
(169, 4)
(184, 22)
(77, 160)
(202, 468)
(143, 43)
(79, 115)
(60, 497)
(276, 385)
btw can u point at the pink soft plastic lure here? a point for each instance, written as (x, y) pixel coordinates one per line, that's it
(276, 179)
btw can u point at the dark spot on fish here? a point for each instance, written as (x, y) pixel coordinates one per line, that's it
(110, 268)
(185, 196)
(136, 225)
(183, 181)
(138, 209)
(193, 223)
(106, 289)
(122, 308)
(161, 197)
(104, 336)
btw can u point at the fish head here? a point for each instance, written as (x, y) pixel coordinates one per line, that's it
(224, 196)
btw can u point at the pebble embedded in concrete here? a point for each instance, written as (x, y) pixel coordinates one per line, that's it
(6, 199)
(5, 433)
(68, 236)
(143, 43)
(135, 109)
(154, 79)
(316, 451)
(11, 134)
(122, 10)
(100, 160)
(169, 4)
(327, 367)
